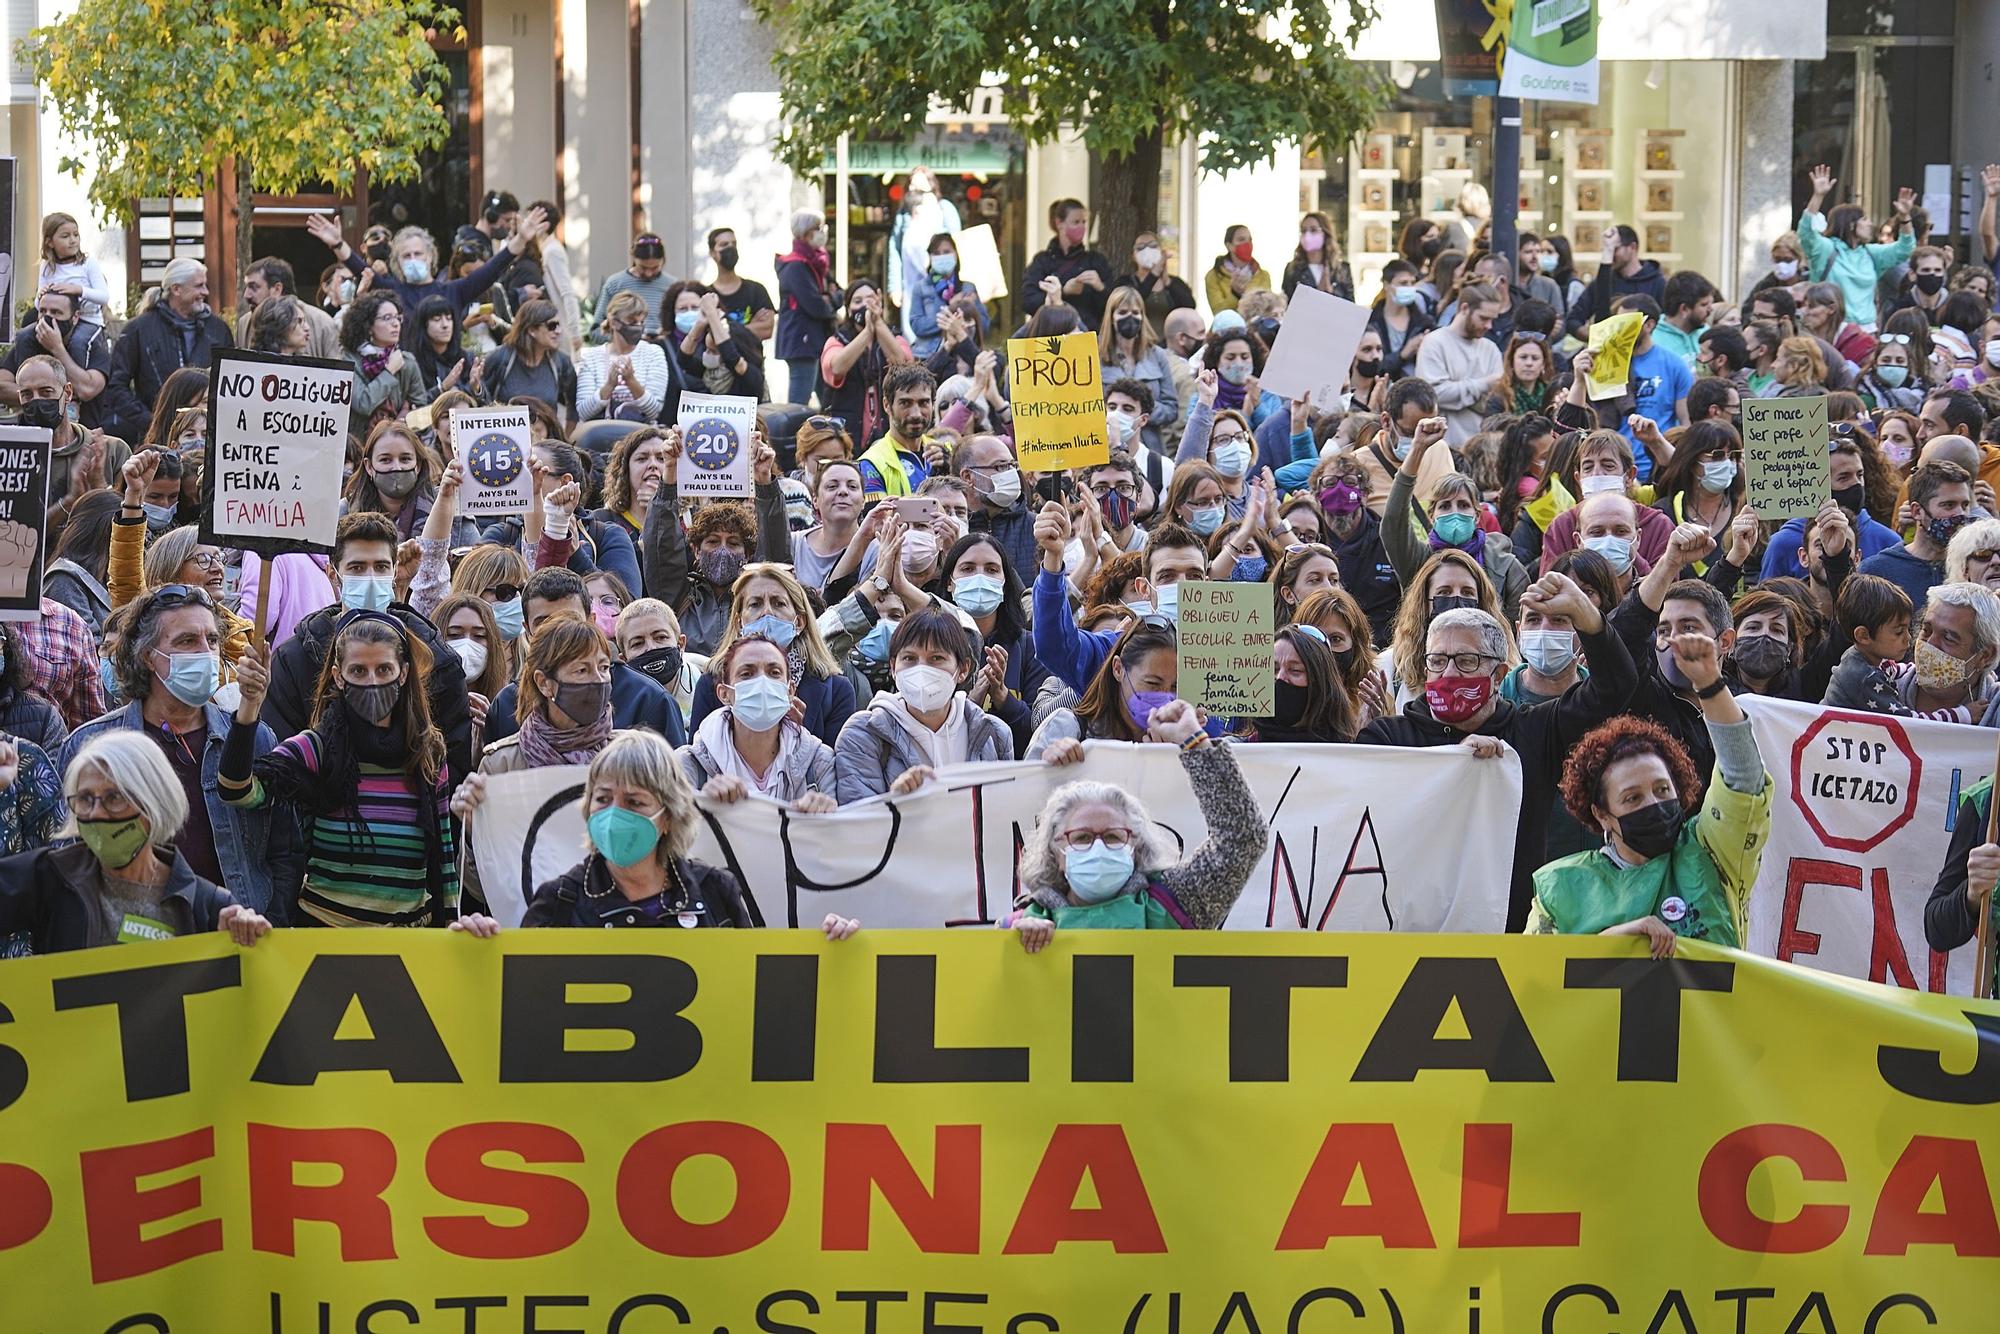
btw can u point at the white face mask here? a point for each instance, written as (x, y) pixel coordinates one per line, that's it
(1785, 270)
(1121, 424)
(1993, 352)
(1148, 256)
(920, 549)
(925, 689)
(472, 653)
(1167, 600)
(1603, 481)
(1006, 489)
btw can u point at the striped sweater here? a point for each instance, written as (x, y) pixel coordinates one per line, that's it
(365, 864)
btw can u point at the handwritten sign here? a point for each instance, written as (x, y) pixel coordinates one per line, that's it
(24, 509)
(1225, 648)
(1611, 345)
(715, 445)
(1058, 395)
(1784, 456)
(1315, 344)
(493, 444)
(277, 439)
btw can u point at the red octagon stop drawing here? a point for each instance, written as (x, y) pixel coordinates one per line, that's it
(1862, 772)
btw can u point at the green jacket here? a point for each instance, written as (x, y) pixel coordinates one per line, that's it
(1701, 889)
(1853, 269)
(1141, 910)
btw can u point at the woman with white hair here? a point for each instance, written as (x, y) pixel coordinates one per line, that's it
(806, 304)
(1095, 858)
(122, 882)
(1974, 555)
(639, 821)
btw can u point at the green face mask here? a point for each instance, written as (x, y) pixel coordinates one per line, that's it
(115, 843)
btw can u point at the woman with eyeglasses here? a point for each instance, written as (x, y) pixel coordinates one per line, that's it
(1973, 557)
(1096, 860)
(531, 363)
(121, 881)
(1703, 482)
(368, 779)
(387, 383)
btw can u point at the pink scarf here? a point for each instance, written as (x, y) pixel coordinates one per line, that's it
(816, 260)
(543, 743)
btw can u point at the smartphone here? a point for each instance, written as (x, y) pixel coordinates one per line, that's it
(486, 308)
(1057, 486)
(919, 510)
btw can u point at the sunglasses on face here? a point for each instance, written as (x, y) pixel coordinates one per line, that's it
(1904, 339)
(502, 593)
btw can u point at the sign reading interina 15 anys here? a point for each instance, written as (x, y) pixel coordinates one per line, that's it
(277, 437)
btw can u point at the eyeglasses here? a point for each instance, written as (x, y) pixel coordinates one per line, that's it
(1219, 438)
(1904, 339)
(1983, 557)
(207, 560)
(827, 423)
(1354, 479)
(552, 324)
(113, 803)
(1531, 337)
(1103, 489)
(502, 593)
(1847, 430)
(607, 600)
(1076, 840)
(1465, 664)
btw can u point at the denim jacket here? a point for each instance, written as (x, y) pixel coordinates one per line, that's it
(260, 851)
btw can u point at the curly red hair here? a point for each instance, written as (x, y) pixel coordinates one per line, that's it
(1621, 739)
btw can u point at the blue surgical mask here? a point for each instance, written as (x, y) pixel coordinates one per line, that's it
(1455, 528)
(508, 614)
(1616, 551)
(1097, 873)
(874, 645)
(1717, 474)
(978, 594)
(1549, 652)
(1401, 449)
(1405, 296)
(625, 838)
(107, 676)
(761, 703)
(1205, 519)
(1231, 458)
(367, 592)
(774, 628)
(944, 264)
(1167, 600)
(686, 320)
(1548, 261)
(416, 271)
(191, 677)
(159, 518)
(1892, 376)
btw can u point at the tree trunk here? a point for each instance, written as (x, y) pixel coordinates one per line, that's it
(1127, 199)
(245, 214)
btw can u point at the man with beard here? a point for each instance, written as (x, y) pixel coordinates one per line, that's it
(898, 463)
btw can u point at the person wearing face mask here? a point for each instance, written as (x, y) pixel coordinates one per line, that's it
(752, 743)
(123, 881)
(900, 741)
(744, 300)
(81, 348)
(83, 456)
(397, 480)
(1951, 674)
(364, 574)
(1604, 465)
(1085, 275)
(1355, 534)
(167, 666)
(627, 376)
(808, 304)
(1310, 704)
(1095, 861)
(1173, 554)
(1317, 262)
(1128, 351)
(1838, 248)
(564, 714)
(1137, 677)
(650, 641)
(1231, 361)
(1453, 522)
(1941, 491)
(1400, 318)
(694, 570)
(1923, 288)
(412, 272)
(1128, 410)
(984, 586)
(1235, 271)
(387, 382)
(1162, 292)
(1787, 264)
(369, 778)
(937, 287)
(1851, 460)
(771, 603)
(1466, 656)
(177, 330)
(1668, 868)
(1113, 486)
(988, 466)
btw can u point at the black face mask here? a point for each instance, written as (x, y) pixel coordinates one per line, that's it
(1851, 498)
(42, 413)
(1288, 704)
(1127, 326)
(1445, 602)
(727, 257)
(1652, 831)
(662, 664)
(1930, 284)
(1368, 369)
(1345, 657)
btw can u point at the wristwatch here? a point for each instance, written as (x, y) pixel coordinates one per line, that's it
(1712, 689)
(880, 582)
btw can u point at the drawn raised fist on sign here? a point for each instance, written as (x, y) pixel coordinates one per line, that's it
(18, 545)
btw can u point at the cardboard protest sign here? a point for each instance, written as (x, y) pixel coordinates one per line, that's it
(1058, 394)
(1784, 456)
(277, 443)
(979, 261)
(493, 442)
(1315, 343)
(1225, 648)
(715, 445)
(24, 511)
(1611, 345)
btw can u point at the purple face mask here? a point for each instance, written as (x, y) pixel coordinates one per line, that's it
(1340, 498)
(1140, 707)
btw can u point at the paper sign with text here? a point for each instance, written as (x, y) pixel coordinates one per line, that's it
(1058, 396)
(1611, 345)
(1225, 648)
(1315, 343)
(494, 443)
(715, 446)
(24, 510)
(277, 443)
(1784, 456)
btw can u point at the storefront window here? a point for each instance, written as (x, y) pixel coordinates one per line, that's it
(1842, 111)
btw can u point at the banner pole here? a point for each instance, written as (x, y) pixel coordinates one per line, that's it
(266, 572)
(1982, 957)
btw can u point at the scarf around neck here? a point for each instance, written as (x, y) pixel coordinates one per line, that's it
(543, 743)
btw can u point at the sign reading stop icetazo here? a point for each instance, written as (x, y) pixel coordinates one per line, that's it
(1855, 779)
(277, 436)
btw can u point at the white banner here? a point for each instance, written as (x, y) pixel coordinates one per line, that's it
(1860, 820)
(1363, 838)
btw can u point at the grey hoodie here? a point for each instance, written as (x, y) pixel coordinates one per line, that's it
(874, 749)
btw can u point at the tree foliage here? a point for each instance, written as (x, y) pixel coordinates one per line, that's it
(162, 92)
(1247, 75)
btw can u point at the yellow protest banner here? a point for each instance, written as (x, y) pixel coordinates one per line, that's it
(1057, 392)
(1611, 345)
(643, 1131)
